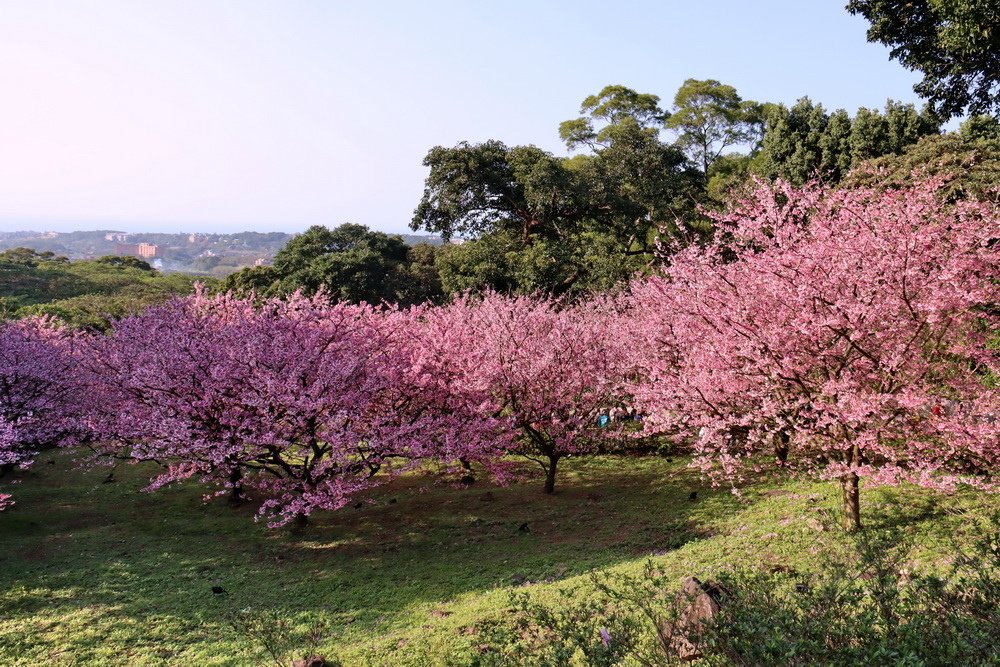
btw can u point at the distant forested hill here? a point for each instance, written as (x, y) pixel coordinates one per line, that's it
(214, 255)
(85, 292)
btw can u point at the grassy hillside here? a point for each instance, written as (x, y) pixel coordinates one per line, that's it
(98, 573)
(85, 292)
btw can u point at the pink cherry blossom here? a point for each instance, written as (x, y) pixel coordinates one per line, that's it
(39, 397)
(549, 368)
(847, 329)
(301, 401)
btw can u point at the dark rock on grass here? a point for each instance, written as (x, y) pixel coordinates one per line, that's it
(524, 528)
(693, 496)
(816, 524)
(694, 605)
(311, 661)
(218, 590)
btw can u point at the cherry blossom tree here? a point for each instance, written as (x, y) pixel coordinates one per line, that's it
(9, 456)
(549, 368)
(845, 331)
(302, 401)
(39, 399)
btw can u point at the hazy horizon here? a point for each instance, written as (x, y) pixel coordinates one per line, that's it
(246, 115)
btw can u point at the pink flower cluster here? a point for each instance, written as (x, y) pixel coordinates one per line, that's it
(39, 399)
(835, 327)
(550, 369)
(301, 400)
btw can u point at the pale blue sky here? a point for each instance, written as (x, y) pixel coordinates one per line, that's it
(216, 115)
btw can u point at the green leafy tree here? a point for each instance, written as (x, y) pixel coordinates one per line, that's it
(806, 142)
(125, 261)
(980, 128)
(85, 293)
(475, 189)
(350, 262)
(792, 147)
(835, 145)
(586, 262)
(533, 221)
(970, 164)
(869, 135)
(954, 43)
(639, 187)
(727, 176)
(906, 125)
(614, 110)
(636, 185)
(710, 117)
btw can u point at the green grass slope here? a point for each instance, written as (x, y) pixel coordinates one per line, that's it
(95, 573)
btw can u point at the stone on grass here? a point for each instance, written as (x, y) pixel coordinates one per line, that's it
(694, 605)
(311, 661)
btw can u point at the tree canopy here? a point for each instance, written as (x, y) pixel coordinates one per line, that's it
(805, 142)
(954, 43)
(711, 117)
(350, 263)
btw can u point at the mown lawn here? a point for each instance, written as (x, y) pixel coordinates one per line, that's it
(95, 573)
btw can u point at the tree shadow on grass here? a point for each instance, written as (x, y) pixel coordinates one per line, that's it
(906, 507)
(143, 566)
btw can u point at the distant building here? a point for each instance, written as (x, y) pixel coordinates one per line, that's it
(118, 237)
(144, 250)
(198, 238)
(262, 261)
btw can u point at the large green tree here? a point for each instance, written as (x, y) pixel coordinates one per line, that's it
(636, 185)
(475, 189)
(606, 116)
(534, 221)
(805, 142)
(954, 43)
(710, 117)
(350, 262)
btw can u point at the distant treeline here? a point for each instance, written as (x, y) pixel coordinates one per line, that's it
(635, 188)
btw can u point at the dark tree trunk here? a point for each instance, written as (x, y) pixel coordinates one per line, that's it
(852, 502)
(849, 483)
(550, 474)
(236, 495)
(300, 522)
(469, 477)
(781, 447)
